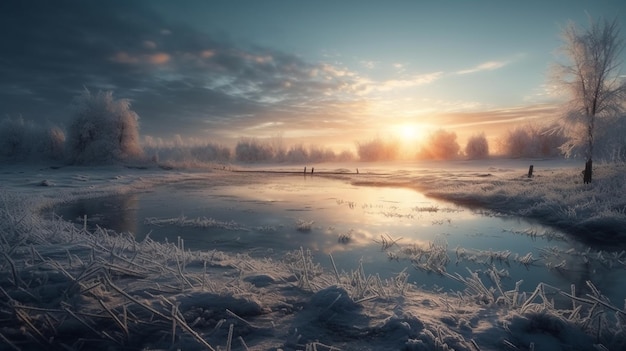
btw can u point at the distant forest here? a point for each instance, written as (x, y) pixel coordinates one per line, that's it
(105, 130)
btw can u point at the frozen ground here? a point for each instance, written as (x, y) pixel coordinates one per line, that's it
(68, 288)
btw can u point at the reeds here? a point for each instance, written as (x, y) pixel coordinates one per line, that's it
(304, 226)
(198, 222)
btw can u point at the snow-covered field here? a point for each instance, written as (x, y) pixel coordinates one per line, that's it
(68, 288)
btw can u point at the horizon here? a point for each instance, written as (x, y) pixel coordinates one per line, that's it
(321, 73)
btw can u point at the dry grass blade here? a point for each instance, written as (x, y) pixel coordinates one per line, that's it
(243, 343)
(305, 269)
(125, 294)
(83, 322)
(335, 268)
(174, 312)
(386, 241)
(16, 278)
(193, 333)
(25, 318)
(230, 337)
(245, 322)
(183, 279)
(122, 325)
(8, 297)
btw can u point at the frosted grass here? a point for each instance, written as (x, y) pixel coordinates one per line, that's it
(198, 222)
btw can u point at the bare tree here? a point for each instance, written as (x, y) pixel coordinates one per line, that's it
(591, 77)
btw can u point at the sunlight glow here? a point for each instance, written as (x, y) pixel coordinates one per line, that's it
(410, 132)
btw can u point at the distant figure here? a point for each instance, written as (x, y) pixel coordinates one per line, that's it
(357, 171)
(530, 171)
(304, 169)
(312, 169)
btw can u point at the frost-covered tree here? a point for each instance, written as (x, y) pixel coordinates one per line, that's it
(440, 145)
(253, 150)
(520, 141)
(103, 129)
(477, 147)
(22, 140)
(13, 139)
(210, 152)
(321, 154)
(532, 140)
(378, 149)
(51, 143)
(297, 153)
(591, 77)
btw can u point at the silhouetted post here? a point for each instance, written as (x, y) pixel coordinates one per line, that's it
(312, 169)
(304, 170)
(587, 173)
(357, 171)
(530, 171)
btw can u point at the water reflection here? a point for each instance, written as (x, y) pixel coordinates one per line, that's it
(117, 212)
(372, 225)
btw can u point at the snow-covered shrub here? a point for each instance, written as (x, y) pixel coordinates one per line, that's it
(184, 153)
(253, 150)
(103, 129)
(477, 147)
(321, 154)
(297, 153)
(378, 150)
(441, 145)
(49, 144)
(210, 152)
(532, 141)
(22, 140)
(519, 143)
(13, 145)
(345, 156)
(277, 143)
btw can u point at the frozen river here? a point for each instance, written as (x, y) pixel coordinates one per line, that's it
(387, 229)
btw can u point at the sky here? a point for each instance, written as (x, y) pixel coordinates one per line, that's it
(311, 72)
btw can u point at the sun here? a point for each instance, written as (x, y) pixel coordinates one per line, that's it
(409, 132)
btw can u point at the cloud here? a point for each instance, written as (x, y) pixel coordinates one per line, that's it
(179, 79)
(364, 86)
(409, 82)
(486, 66)
(498, 117)
(159, 58)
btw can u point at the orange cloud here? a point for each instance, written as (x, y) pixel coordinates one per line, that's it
(207, 54)
(123, 57)
(159, 58)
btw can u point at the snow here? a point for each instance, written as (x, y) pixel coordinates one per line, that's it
(66, 287)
